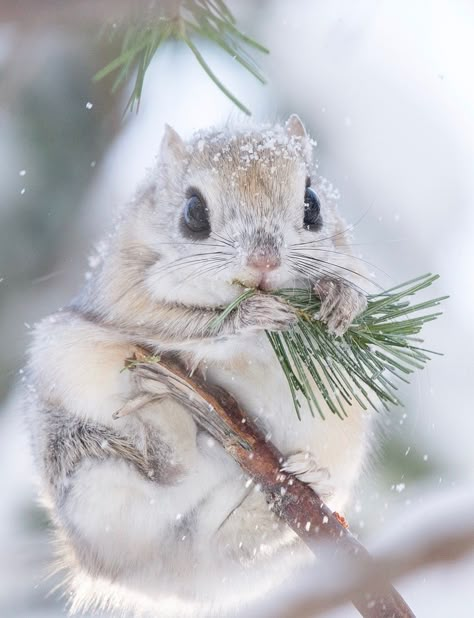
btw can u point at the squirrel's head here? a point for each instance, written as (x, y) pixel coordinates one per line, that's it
(232, 208)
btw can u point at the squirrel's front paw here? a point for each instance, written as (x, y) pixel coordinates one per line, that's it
(305, 467)
(340, 304)
(265, 312)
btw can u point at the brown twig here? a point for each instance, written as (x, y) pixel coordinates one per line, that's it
(294, 501)
(434, 541)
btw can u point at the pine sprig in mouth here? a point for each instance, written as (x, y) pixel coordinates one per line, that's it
(382, 346)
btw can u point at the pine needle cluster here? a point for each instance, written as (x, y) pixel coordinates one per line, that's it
(381, 347)
(186, 21)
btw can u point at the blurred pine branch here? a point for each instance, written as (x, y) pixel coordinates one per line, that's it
(185, 21)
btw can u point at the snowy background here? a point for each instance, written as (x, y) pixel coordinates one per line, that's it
(387, 89)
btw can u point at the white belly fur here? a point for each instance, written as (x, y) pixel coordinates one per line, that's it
(256, 379)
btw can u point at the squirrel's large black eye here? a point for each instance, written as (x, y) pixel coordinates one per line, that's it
(196, 216)
(312, 210)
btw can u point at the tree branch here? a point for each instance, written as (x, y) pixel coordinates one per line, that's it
(295, 502)
(432, 541)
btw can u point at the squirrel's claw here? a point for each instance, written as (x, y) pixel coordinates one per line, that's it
(305, 467)
(340, 304)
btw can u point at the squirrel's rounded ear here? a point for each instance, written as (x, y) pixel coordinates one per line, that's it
(172, 147)
(295, 128)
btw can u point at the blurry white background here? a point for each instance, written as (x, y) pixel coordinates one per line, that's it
(387, 89)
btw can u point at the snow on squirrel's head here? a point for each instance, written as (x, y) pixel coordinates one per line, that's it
(231, 208)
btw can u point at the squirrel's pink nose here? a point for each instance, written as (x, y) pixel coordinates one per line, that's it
(263, 262)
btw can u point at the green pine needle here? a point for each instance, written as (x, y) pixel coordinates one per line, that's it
(209, 20)
(380, 347)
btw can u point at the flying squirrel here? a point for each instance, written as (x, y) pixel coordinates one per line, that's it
(152, 516)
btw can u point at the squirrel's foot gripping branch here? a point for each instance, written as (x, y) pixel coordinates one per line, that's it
(294, 501)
